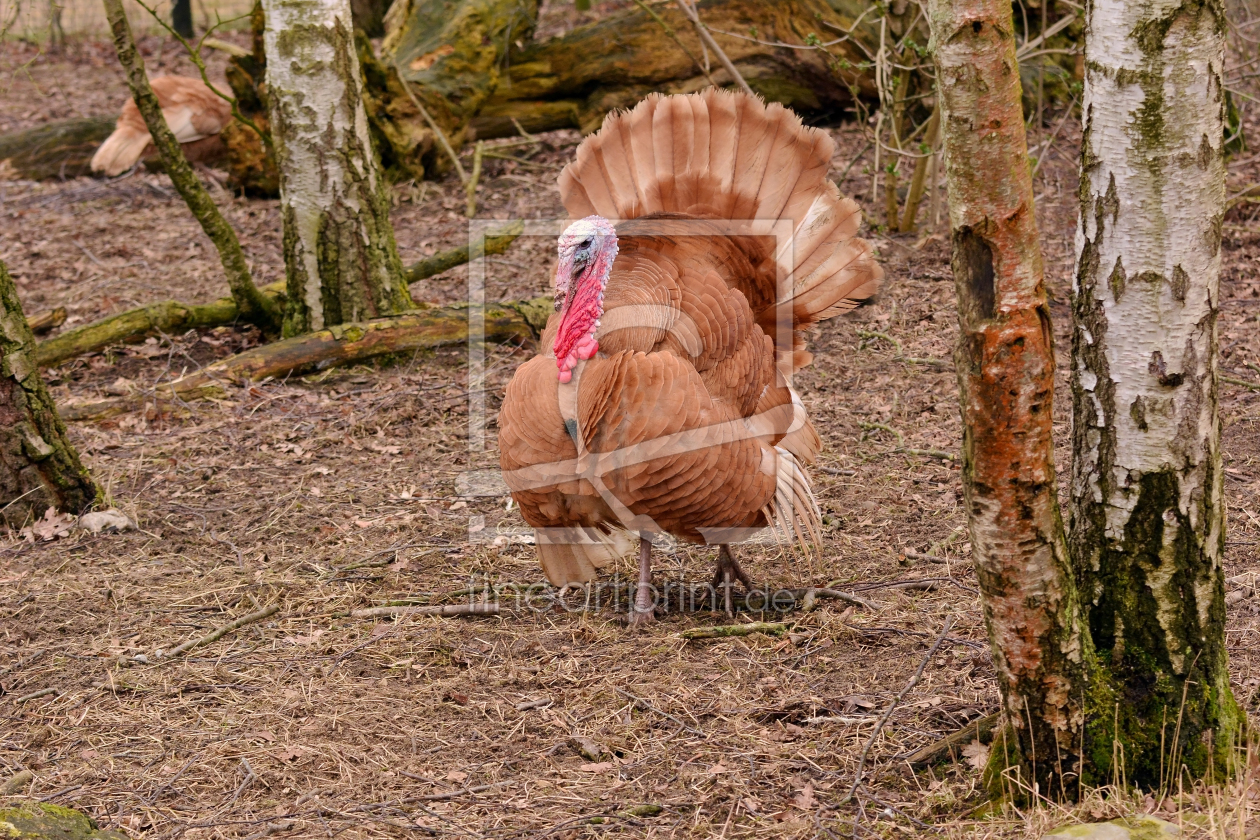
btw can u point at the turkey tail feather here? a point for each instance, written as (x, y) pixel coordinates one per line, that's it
(725, 155)
(120, 151)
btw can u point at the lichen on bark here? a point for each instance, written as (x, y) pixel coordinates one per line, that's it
(39, 467)
(341, 260)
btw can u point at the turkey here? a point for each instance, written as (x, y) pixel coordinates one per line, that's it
(195, 113)
(707, 240)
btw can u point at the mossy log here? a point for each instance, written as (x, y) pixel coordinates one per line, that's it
(56, 150)
(514, 322)
(172, 317)
(45, 821)
(574, 80)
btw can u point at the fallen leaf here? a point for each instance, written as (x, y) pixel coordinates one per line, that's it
(88, 754)
(385, 450)
(718, 768)
(456, 776)
(52, 526)
(976, 754)
(289, 753)
(305, 640)
(597, 767)
(263, 735)
(456, 697)
(805, 799)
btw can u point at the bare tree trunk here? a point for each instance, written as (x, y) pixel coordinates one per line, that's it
(39, 468)
(1147, 507)
(1005, 363)
(340, 257)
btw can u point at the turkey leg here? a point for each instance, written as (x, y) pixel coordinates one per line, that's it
(729, 571)
(643, 610)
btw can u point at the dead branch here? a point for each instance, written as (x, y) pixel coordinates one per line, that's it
(446, 611)
(35, 695)
(17, 782)
(727, 631)
(210, 637)
(516, 322)
(707, 39)
(879, 727)
(980, 730)
(173, 317)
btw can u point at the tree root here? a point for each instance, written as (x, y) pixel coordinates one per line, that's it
(517, 322)
(172, 317)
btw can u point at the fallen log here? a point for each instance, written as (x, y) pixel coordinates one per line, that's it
(168, 317)
(574, 80)
(512, 322)
(55, 150)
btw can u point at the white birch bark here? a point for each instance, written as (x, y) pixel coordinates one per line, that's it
(340, 256)
(1147, 524)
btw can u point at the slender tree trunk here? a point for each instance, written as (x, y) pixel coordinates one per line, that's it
(254, 306)
(340, 257)
(1147, 508)
(1005, 365)
(39, 468)
(182, 17)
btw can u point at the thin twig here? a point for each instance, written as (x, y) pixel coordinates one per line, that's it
(433, 126)
(669, 30)
(708, 41)
(879, 727)
(446, 611)
(643, 704)
(35, 695)
(222, 631)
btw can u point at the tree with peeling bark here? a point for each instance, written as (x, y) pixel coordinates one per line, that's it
(1147, 514)
(340, 257)
(39, 467)
(1005, 363)
(1109, 642)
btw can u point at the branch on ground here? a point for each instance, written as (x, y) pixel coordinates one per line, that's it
(515, 322)
(171, 317)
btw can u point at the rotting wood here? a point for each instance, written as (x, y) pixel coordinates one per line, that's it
(171, 317)
(61, 149)
(17, 782)
(253, 305)
(46, 322)
(948, 747)
(515, 322)
(1005, 366)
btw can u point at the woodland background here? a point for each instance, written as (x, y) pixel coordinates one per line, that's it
(340, 491)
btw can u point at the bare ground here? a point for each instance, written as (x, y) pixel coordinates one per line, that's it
(337, 492)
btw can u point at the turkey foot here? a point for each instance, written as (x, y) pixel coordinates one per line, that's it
(643, 610)
(729, 571)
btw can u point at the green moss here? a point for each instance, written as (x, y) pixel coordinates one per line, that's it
(45, 821)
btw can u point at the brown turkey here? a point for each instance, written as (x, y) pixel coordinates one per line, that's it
(708, 239)
(192, 109)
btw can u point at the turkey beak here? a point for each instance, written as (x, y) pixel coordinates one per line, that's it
(565, 270)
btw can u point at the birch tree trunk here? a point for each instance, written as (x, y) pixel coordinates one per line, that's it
(1147, 508)
(39, 468)
(340, 257)
(1005, 364)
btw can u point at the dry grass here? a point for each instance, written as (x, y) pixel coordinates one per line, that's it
(338, 491)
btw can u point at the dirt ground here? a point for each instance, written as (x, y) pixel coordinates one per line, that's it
(341, 491)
